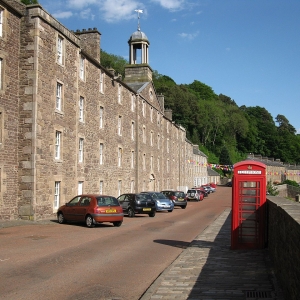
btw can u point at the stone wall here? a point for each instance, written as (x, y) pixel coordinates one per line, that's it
(284, 243)
(9, 114)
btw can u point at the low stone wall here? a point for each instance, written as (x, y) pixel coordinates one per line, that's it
(284, 243)
(286, 190)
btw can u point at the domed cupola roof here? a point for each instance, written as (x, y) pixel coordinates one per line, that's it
(138, 70)
(138, 36)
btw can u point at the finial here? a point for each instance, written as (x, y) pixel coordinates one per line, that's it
(139, 11)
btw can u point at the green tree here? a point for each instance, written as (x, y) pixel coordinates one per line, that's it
(28, 2)
(217, 124)
(224, 157)
(284, 125)
(202, 90)
(115, 62)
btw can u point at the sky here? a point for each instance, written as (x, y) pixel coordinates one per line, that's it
(248, 50)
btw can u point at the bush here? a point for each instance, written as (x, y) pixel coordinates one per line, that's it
(271, 189)
(291, 182)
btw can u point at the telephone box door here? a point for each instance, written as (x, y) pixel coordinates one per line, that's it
(248, 205)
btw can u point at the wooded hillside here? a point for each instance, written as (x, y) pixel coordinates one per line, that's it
(224, 131)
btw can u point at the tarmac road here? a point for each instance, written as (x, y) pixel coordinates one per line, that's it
(53, 261)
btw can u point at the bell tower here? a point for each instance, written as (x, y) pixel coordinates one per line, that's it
(138, 69)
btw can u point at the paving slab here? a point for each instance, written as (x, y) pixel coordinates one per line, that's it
(209, 270)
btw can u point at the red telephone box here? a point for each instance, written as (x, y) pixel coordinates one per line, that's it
(248, 205)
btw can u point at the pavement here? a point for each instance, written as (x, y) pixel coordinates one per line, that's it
(20, 222)
(208, 270)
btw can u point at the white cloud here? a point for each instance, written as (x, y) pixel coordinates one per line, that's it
(87, 14)
(63, 14)
(79, 4)
(171, 4)
(109, 10)
(117, 10)
(189, 36)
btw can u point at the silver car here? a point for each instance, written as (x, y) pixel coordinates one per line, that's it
(162, 203)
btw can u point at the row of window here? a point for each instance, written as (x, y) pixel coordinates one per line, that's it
(59, 106)
(119, 130)
(58, 145)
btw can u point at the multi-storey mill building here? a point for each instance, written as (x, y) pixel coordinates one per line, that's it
(70, 126)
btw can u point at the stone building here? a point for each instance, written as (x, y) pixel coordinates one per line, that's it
(69, 126)
(276, 170)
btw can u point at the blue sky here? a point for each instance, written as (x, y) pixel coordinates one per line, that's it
(247, 50)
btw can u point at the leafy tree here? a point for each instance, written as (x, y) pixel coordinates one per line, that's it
(284, 125)
(224, 131)
(28, 2)
(202, 90)
(115, 62)
(224, 157)
(227, 100)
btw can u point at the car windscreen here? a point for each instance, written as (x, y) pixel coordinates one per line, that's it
(107, 201)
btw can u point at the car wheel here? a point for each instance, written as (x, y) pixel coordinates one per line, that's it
(152, 214)
(89, 221)
(131, 213)
(183, 207)
(117, 224)
(60, 218)
(170, 210)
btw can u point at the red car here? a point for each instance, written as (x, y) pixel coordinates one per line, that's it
(91, 209)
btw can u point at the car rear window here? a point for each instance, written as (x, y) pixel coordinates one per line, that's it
(143, 197)
(191, 191)
(179, 194)
(107, 201)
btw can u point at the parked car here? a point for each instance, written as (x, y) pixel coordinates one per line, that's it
(194, 194)
(229, 183)
(178, 197)
(162, 203)
(207, 188)
(212, 184)
(91, 209)
(136, 203)
(203, 191)
(210, 188)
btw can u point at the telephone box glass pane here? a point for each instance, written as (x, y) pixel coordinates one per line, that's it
(249, 198)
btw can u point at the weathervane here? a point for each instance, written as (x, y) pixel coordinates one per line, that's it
(139, 11)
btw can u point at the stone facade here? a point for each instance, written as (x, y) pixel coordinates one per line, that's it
(70, 126)
(9, 102)
(277, 171)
